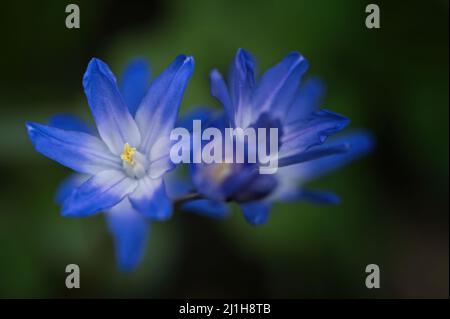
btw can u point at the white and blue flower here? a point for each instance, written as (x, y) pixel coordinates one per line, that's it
(121, 165)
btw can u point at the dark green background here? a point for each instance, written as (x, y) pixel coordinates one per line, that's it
(393, 81)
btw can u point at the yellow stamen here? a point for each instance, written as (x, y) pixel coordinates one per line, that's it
(128, 153)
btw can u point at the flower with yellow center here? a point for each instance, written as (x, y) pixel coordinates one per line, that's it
(122, 169)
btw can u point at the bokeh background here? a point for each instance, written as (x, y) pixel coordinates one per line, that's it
(393, 81)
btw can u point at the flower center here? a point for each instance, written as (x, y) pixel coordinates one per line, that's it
(127, 154)
(133, 162)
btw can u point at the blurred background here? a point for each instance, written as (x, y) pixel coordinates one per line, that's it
(394, 211)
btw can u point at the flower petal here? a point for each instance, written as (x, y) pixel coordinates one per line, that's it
(306, 101)
(176, 185)
(68, 185)
(310, 131)
(313, 153)
(160, 166)
(130, 230)
(100, 192)
(359, 143)
(242, 83)
(159, 157)
(70, 122)
(157, 113)
(206, 207)
(256, 213)
(151, 200)
(219, 90)
(278, 85)
(114, 121)
(79, 151)
(256, 188)
(134, 83)
(318, 197)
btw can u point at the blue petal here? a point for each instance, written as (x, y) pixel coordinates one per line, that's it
(157, 113)
(176, 186)
(359, 143)
(219, 90)
(242, 82)
(318, 197)
(151, 200)
(310, 131)
(314, 153)
(256, 213)
(68, 185)
(307, 100)
(130, 231)
(259, 187)
(114, 121)
(162, 164)
(71, 123)
(79, 151)
(278, 85)
(209, 208)
(100, 192)
(135, 82)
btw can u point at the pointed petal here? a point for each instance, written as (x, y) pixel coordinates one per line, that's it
(278, 85)
(318, 197)
(242, 83)
(311, 131)
(114, 121)
(219, 90)
(134, 84)
(70, 122)
(157, 113)
(151, 200)
(313, 153)
(130, 230)
(100, 192)
(256, 213)
(79, 151)
(68, 185)
(359, 143)
(307, 100)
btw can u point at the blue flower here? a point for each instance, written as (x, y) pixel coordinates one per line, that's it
(277, 99)
(122, 165)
